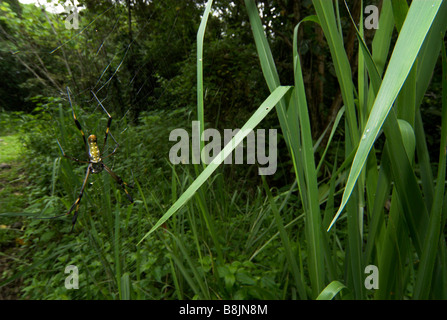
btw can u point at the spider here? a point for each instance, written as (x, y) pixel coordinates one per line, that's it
(95, 160)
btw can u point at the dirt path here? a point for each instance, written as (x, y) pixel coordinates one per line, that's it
(12, 199)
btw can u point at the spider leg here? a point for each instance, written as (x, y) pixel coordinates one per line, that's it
(109, 123)
(78, 200)
(114, 150)
(67, 156)
(120, 182)
(75, 204)
(78, 125)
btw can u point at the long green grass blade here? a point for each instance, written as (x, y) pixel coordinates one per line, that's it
(309, 190)
(427, 59)
(197, 272)
(327, 18)
(426, 267)
(331, 290)
(262, 46)
(125, 287)
(200, 37)
(286, 243)
(291, 133)
(254, 120)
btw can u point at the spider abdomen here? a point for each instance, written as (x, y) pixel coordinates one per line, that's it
(94, 153)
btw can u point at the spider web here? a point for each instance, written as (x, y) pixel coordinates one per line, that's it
(108, 238)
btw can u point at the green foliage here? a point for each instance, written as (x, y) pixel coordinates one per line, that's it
(214, 232)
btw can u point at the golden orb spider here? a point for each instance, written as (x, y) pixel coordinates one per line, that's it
(95, 161)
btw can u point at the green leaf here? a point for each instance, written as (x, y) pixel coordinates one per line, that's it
(200, 37)
(331, 290)
(425, 272)
(254, 120)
